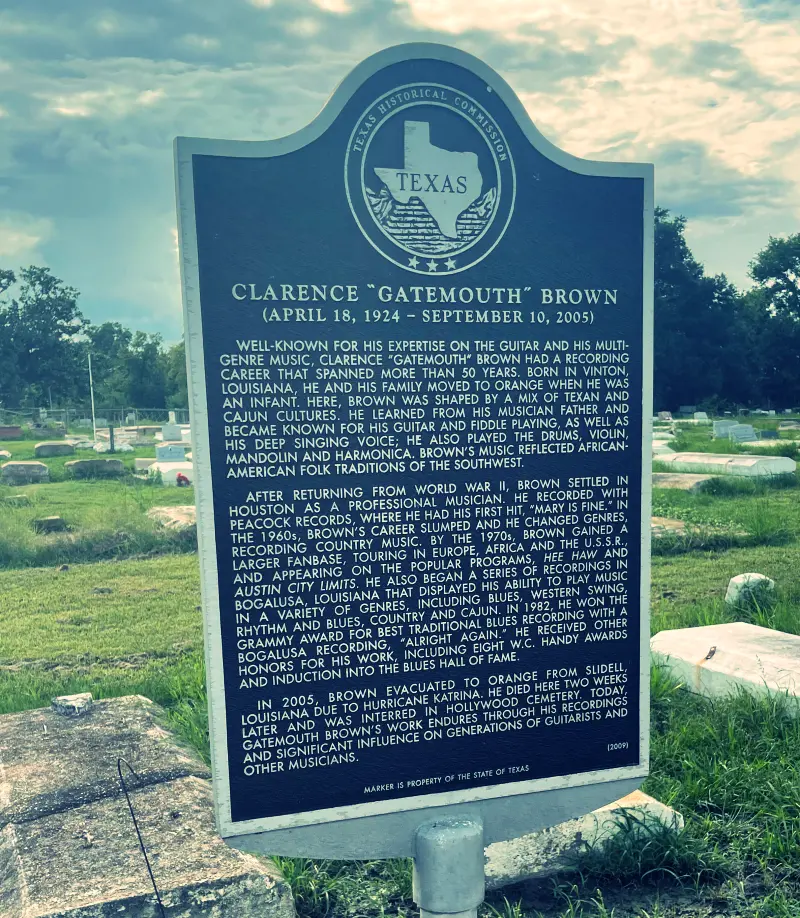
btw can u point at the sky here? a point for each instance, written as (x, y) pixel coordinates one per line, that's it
(93, 93)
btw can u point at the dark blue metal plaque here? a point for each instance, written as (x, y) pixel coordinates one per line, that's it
(419, 341)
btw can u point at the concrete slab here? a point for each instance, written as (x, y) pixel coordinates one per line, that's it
(142, 465)
(183, 517)
(86, 862)
(94, 468)
(22, 472)
(542, 854)
(53, 448)
(717, 660)
(68, 847)
(661, 526)
(51, 763)
(681, 481)
(741, 465)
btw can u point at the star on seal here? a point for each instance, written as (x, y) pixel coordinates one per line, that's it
(450, 264)
(432, 265)
(413, 261)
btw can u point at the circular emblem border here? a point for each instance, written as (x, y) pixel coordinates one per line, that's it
(374, 128)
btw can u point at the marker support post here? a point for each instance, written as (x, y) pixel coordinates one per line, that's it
(449, 878)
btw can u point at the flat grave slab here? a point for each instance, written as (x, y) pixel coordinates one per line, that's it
(182, 517)
(90, 468)
(49, 448)
(741, 465)
(23, 472)
(51, 762)
(716, 660)
(142, 465)
(683, 481)
(68, 847)
(543, 854)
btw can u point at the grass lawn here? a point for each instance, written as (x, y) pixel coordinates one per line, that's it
(23, 450)
(732, 767)
(106, 517)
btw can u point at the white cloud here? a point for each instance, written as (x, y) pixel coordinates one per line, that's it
(333, 6)
(21, 235)
(669, 89)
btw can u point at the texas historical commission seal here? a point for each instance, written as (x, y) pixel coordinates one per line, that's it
(430, 178)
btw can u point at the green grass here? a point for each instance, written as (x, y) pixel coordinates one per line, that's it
(730, 767)
(106, 519)
(23, 450)
(101, 612)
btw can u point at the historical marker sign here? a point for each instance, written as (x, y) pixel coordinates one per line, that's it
(419, 339)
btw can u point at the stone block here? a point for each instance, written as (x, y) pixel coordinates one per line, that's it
(47, 524)
(73, 705)
(95, 468)
(23, 472)
(49, 448)
(68, 847)
(682, 481)
(738, 465)
(171, 452)
(542, 854)
(52, 763)
(718, 660)
(750, 591)
(181, 517)
(171, 432)
(142, 465)
(16, 500)
(86, 863)
(10, 432)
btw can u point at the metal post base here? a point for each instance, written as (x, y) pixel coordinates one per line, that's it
(449, 879)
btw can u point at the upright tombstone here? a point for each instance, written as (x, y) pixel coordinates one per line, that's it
(419, 347)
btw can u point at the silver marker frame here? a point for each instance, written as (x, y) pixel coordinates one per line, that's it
(384, 828)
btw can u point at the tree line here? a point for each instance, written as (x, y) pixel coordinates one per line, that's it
(45, 342)
(714, 346)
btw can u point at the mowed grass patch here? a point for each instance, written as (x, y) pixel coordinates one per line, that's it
(106, 519)
(110, 612)
(23, 450)
(697, 438)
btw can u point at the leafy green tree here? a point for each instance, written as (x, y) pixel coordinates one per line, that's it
(42, 326)
(146, 371)
(699, 353)
(776, 269)
(177, 388)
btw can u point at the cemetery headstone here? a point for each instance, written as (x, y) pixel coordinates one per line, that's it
(423, 504)
(101, 422)
(665, 415)
(742, 433)
(171, 452)
(94, 468)
(721, 428)
(700, 416)
(10, 432)
(84, 422)
(130, 418)
(5, 454)
(687, 409)
(769, 434)
(171, 432)
(23, 472)
(48, 449)
(173, 418)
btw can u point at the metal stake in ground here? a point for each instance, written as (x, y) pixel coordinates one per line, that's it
(449, 875)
